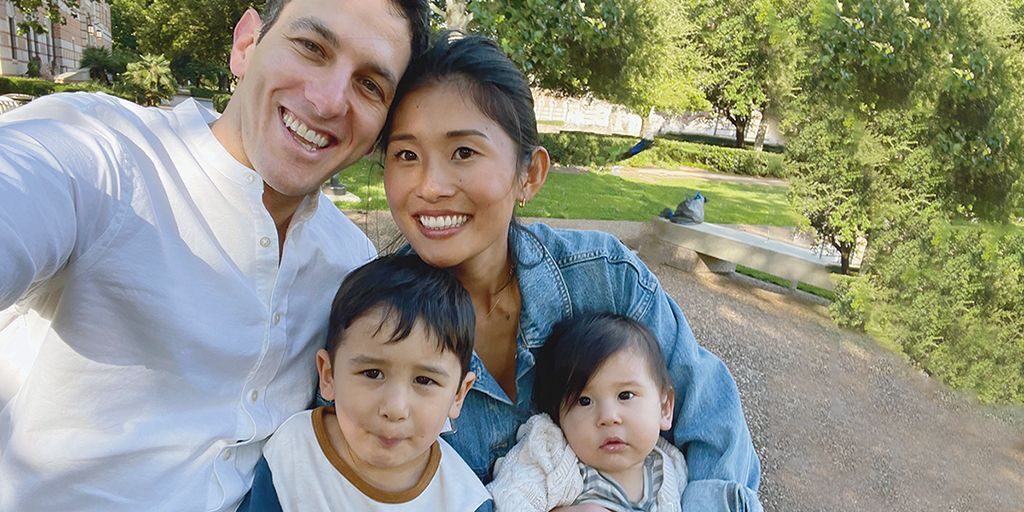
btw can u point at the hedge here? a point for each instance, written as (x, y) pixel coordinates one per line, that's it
(950, 298)
(592, 150)
(40, 87)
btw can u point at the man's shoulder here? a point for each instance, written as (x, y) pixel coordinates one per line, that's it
(336, 232)
(80, 106)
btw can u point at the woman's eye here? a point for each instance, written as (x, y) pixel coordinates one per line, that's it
(372, 374)
(626, 395)
(463, 153)
(405, 155)
(425, 381)
(584, 401)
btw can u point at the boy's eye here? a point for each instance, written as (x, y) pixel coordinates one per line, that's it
(463, 153)
(425, 381)
(405, 155)
(584, 401)
(626, 395)
(372, 374)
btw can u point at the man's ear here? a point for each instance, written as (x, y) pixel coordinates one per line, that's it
(668, 403)
(247, 31)
(537, 173)
(326, 372)
(460, 395)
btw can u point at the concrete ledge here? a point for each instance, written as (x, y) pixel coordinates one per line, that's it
(712, 248)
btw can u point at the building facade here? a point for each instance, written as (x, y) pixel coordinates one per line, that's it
(60, 48)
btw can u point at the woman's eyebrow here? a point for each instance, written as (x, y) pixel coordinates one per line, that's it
(466, 133)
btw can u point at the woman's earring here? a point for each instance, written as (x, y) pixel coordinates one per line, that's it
(522, 202)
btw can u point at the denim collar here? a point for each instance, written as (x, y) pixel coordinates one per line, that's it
(542, 288)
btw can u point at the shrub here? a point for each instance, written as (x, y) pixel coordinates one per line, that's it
(588, 149)
(220, 100)
(950, 299)
(34, 67)
(151, 80)
(30, 86)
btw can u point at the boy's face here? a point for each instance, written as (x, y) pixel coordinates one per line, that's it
(615, 422)
(391, 399)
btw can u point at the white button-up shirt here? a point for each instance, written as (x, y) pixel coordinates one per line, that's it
(150, 338)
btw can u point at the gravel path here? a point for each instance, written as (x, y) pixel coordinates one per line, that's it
(839, 423)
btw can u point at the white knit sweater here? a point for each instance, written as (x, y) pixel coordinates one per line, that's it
(541, 472)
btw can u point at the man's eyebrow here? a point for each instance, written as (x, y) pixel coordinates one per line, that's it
(315, 25)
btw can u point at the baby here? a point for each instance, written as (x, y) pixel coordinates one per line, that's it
(396, 365)
(604, 394)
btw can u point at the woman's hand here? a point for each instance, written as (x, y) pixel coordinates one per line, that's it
(585, 507)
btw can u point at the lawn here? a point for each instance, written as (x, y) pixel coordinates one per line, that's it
(603, 196)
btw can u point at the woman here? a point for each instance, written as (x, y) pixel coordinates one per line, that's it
(461, 151)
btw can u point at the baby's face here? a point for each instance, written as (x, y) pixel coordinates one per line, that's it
(391, 399)
(616, 421)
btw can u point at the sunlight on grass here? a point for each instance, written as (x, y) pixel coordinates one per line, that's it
(602, 196)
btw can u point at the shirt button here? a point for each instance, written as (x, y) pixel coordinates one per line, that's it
(254, 395)
(250, 178)
(226, 455)
(265, 242)
(277, 318)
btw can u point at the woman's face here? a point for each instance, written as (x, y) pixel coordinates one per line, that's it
(451, 177)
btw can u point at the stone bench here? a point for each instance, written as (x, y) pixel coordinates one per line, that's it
(711, 248)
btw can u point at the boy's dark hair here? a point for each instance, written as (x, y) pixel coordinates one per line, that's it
(579, 346)
(406, 290)
(416, 12)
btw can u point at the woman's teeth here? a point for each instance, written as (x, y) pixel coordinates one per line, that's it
(443, 222)
(306, 133)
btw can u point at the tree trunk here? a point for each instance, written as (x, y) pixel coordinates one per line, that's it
(762, 129)
(456, 14)
(741, 129)
(646, 132)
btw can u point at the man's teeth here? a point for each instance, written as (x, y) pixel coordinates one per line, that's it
(443, 222)
(304, 131)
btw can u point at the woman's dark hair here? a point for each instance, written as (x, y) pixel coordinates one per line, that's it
(579, 346)
(406, 290)
(489, 78)
(416, 12)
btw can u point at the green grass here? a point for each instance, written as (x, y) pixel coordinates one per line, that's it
(785, 283)
(602, 196)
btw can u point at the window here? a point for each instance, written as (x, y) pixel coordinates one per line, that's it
(14, 41)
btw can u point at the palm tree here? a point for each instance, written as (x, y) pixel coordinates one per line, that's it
(100, 62)
(151, 79)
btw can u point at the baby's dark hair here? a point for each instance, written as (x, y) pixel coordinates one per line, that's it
(579, 346)
(406, 290)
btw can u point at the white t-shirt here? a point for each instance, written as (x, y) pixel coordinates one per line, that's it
(149, 340)
(309, 475)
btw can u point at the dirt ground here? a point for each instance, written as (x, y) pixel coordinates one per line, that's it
(839, 422)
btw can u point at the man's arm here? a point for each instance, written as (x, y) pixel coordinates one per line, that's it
(709, 426)
(59, 194)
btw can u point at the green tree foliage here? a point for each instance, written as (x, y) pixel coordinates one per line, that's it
(748, 50)
(150, 79)
(194, 34)
(631, 52)
(50, 9)
(105, 64)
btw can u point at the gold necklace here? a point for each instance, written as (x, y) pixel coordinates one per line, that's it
(511, 276)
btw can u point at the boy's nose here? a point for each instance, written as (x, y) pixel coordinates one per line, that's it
(394, 406)
(609, 415)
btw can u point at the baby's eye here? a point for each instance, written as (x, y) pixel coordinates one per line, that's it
(405, 155)
(584, 401)
(463, 153)
(373, 374)
(626, 395)
(425, 381)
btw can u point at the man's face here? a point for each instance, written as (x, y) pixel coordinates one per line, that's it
(313, 93)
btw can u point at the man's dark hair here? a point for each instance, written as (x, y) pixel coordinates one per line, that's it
(406, 290)
(579, 346)
(416, 12)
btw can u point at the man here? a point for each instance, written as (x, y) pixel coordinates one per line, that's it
(166, 276)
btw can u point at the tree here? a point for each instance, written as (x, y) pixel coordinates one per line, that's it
(746, 47)
(51, 11)
(103, 63)
(151, 79)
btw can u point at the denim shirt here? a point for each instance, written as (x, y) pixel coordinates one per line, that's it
(563, 273)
